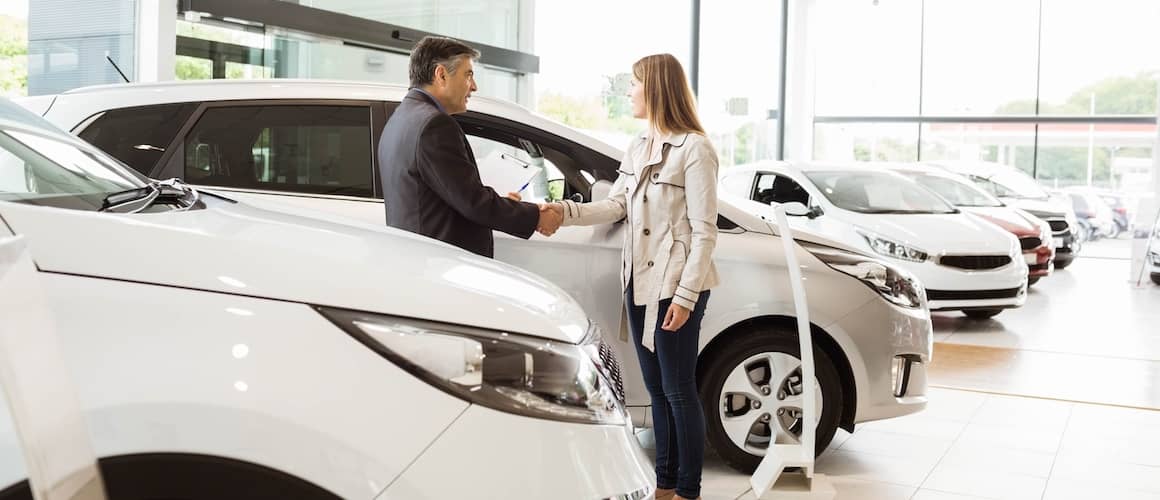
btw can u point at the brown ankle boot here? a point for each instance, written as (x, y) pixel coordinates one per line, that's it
(663, 494)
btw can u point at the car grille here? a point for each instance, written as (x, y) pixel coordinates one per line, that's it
(1057, 225)
(611, 368)
(975, 262)
(972, 294)
(1030, 242)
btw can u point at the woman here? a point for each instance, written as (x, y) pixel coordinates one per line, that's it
(667, 190)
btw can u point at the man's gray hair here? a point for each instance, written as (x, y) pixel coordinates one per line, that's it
(433, 51)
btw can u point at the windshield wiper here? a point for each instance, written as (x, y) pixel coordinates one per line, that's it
(172, 190)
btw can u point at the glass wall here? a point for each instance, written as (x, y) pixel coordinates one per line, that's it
(242, 51)
(13, 48)
(67, 50)
(740, 113)
(490, 22)
(1061, 90)
(586, 57)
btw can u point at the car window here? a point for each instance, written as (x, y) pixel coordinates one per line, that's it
(569, 169)
(878, 193)
(138, 136)
(959, 193)
(51, 171)
(547, 183)
(737, 184)
(298, 148)
(772, 188)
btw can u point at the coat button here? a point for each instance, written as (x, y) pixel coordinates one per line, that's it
(656, 176)
(650, 263)
(646, 232)
(644, 199)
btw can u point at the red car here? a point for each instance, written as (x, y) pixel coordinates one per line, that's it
(1034, 234)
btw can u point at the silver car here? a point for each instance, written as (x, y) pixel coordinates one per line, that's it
(308, 147)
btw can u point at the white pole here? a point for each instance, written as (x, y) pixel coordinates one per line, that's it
(1091, 140)
(779, 456)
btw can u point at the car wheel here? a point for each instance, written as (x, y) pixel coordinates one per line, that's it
(1062, 264)
(982, 313)
(1156, 278)
(751, 393)
(1033, 280)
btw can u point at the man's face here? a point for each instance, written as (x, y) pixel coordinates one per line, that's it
(458, 86)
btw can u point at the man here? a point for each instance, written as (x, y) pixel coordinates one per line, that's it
(431, 184)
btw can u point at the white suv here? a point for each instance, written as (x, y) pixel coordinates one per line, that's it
(226, 351)
(308, 147)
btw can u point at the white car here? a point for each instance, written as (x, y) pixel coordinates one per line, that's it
(965, 263)
(1154, 256)
(226, 351)
(308, 147)
(1020, 190)
(1034, 233)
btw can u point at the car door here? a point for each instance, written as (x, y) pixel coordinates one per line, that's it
(43, 435)
(309, 157)
(584, 261)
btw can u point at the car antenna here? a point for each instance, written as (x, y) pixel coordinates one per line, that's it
(119, 72)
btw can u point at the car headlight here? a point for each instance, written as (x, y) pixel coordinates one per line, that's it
(512, 373)
(894, 249)
(893, 284)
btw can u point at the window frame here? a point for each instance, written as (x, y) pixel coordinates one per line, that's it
(498, 128)
(777, 177)
(173, 163)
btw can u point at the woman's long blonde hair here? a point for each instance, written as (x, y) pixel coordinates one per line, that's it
(669, 101)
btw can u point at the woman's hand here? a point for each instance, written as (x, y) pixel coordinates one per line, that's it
(675, 318)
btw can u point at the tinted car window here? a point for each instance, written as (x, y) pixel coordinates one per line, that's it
(138, 136)
(773, 188)
(306, 149)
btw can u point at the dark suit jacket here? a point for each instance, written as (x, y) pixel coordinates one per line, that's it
(431, 183)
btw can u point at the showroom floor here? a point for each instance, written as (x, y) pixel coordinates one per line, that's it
(1011, 413)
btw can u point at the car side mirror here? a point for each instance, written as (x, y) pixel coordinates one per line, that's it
(799, 209)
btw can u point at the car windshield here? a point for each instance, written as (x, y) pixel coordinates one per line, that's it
(1017, 185)
(878, 193)
(959, 193)
(42, 166)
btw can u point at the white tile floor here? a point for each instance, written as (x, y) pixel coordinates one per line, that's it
(972, 446)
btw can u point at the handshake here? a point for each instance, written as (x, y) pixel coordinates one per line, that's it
(551, 217)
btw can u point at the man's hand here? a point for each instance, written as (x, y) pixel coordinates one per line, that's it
(514, 196)
(551, 216)
(675, 318)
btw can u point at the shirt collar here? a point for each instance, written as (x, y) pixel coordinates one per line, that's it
(672, 139)
(433, 99)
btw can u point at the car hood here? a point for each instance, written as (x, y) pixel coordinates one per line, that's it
(937, 233)
(1007, 218)
(239, 249)
(1040, 208)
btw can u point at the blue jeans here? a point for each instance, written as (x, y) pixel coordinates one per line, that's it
(670, 374)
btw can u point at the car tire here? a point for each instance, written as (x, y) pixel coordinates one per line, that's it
(982, 313)
(1156, 278)
(782, 344)
(1063, 263)
(1033, 280)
